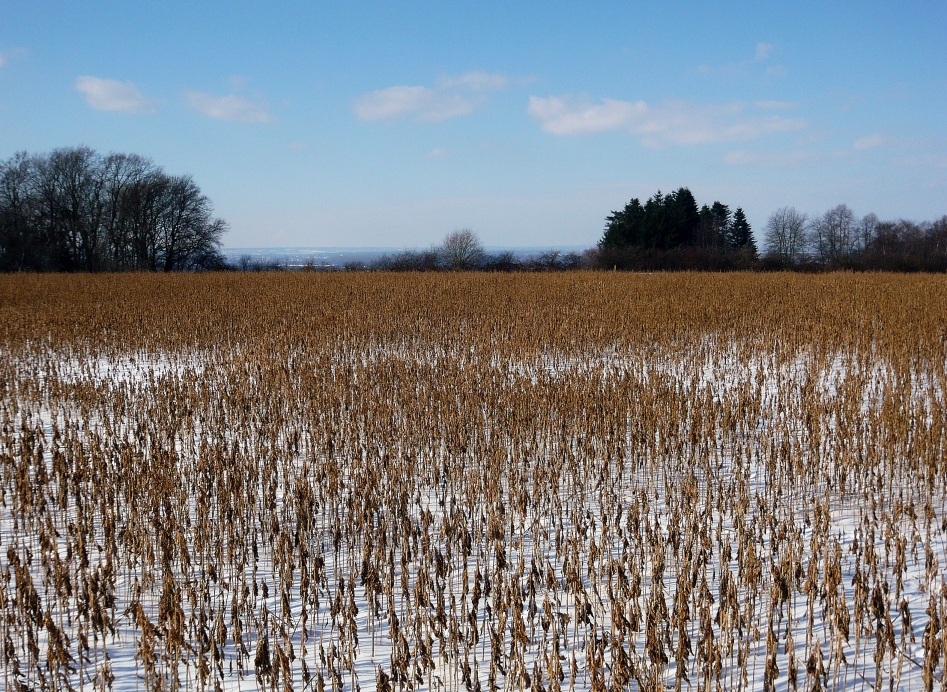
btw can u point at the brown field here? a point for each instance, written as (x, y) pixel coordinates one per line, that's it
(572, 481)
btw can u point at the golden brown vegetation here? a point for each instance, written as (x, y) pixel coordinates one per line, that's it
(466, 482)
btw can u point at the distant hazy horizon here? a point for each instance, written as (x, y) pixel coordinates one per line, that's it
(339, 256)
(398, 248)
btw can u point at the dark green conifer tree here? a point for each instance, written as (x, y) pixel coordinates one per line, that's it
(740, 236)
(663, 222)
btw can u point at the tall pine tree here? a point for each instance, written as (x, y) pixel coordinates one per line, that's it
(664, 221)
(739, 235)
(670, 221)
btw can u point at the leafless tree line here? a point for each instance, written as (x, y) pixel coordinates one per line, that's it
(462, 250)
(839, 239)
(76, 210)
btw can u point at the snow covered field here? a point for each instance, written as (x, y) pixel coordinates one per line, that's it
(385, 514)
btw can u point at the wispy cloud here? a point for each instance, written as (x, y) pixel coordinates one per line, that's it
(671, 122)
(746, 67)
(3, 60)
(430, 105)
(451, 97)
(569, 116)
(476, 81)
(776, 105)
(869, 141)
(113, 95)
(437, 153)
(743, 157)
(231, 107)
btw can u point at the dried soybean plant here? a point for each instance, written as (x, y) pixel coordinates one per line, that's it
(469, 482)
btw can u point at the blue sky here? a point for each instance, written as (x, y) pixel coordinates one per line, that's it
(391, 124)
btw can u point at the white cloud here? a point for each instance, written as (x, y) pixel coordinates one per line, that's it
(671, 122)
(762, 158)
(744, 67)
(231, 107)
(112, 95)
(476, 81)
(564, 116)
(869, 142)
(437, 153)
(424, 104)
(451, 97)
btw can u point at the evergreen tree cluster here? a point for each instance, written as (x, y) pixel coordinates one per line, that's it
(75, 210)
(674, 221)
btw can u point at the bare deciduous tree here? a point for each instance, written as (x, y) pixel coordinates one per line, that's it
(74, 210)
(18, 211)
(785, 235)
(834, 235)
(867, 228)
(462, 249)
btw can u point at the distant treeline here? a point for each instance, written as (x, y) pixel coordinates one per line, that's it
(75, 210)
(838, 239)
(460, 251)
(669, 232)
(433, 260)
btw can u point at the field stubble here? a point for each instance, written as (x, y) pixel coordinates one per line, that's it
(472, 482)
